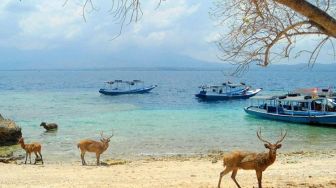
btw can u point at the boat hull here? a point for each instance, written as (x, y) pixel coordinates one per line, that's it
(328, 120)
(211, 97)
(123, 92)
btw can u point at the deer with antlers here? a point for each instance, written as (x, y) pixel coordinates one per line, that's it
(251, 161)
(97, 147)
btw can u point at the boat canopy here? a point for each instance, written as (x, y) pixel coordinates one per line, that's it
(109, 82)
(264, 97)
(233, 85)
(126, 82)
(223, 85)
(297, 99)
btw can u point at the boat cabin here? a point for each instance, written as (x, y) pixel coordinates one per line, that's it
(294, 105)
(226, 87)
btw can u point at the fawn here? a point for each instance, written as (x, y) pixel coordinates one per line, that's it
(250, 161)
(29, 148)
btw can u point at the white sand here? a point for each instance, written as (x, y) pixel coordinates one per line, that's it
(288, 171)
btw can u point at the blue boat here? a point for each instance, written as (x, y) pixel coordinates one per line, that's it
(226, 91)
(120, 87)
(304, 109)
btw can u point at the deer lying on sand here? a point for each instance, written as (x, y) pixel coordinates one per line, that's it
(250, 161)
(29, 148)
(49, 126)
(94, 146)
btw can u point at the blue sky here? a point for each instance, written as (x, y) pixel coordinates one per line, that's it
(44, 34)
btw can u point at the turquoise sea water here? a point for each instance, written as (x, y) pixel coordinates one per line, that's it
(167, 121)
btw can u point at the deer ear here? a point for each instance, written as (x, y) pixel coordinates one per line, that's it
(266, 146)
(278, 146)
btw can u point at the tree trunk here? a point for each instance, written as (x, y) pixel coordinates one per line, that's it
(318, 17)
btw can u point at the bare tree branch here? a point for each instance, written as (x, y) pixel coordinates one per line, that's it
(264, 31)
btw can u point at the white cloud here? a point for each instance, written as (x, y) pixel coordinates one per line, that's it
(169, 13)
(50, 21)
(212, 37)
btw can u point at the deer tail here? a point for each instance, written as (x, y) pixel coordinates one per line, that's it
(78, 145)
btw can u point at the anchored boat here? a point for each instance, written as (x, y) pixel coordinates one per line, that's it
(226, 91)
(120, 87)
(316, 108)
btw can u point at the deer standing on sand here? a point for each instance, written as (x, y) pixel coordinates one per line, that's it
(29, 148)
(250, 161)
(88, 145)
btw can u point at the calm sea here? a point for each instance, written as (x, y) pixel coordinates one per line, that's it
(167, 121)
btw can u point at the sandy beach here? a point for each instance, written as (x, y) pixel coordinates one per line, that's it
(290, 170)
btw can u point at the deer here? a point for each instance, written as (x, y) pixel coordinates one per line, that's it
(49, 126)
(236, 160)
(97, 147)
(29, 148)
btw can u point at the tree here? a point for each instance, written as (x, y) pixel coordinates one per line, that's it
(265, 30)
(256, 30)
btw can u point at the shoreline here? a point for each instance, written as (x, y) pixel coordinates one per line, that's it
(297, 169)
(214, 155)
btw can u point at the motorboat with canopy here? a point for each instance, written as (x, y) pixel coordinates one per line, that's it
(316, 107)
(226, 91)
(120, 87)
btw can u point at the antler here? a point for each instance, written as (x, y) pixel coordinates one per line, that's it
(111, 135)
(102, 136)
(282, 137)
(258, 134)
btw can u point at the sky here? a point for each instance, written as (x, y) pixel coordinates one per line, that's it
(39, 34)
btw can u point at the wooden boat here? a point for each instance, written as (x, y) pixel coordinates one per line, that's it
(305, 109)
(226, 91)
(120, 87)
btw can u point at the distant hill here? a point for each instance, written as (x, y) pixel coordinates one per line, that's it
(135, 59)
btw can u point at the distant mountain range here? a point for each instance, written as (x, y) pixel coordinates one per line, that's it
(135, 60)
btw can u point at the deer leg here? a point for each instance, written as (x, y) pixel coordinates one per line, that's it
(26, 158)
(30, 157)
(98, 156)
(259, 177)
(41, 156)
(233, 176)
(36, 156)
(225, 171)
(82, 157)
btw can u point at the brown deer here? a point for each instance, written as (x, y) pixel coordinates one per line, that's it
(88, 145)
(49, 126)
(250, 161)
(29, 148)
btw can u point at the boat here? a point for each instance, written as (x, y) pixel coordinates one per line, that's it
(314, 108)
(120, 87)
(226, 91)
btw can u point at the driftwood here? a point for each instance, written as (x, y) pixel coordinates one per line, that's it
(11, 159)
(9, 132)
